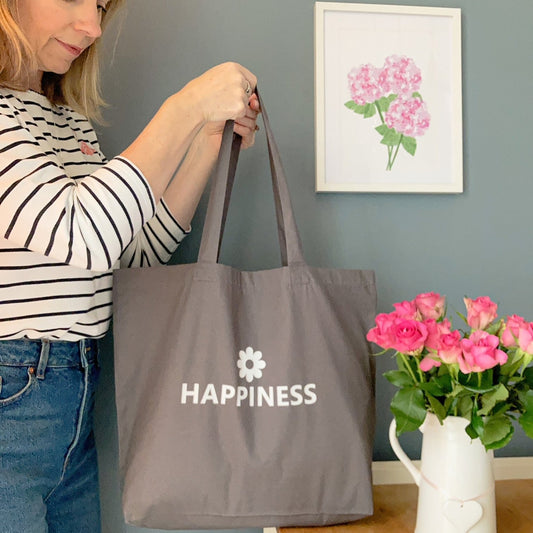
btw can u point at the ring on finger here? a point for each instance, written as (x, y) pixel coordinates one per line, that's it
(248, 89)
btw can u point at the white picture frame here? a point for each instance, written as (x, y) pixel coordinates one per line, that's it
(408, 59)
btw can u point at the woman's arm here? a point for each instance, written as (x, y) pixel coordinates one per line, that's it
(88, 221)
(216, 96)
(160, 236)
(185, 190)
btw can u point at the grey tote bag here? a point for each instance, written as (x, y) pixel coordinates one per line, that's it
(244, 399)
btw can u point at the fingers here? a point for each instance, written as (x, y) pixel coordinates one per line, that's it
(248, 137)
(253, 103)
(246, 127)
(224, 92)
(249, 83)
(250, 114)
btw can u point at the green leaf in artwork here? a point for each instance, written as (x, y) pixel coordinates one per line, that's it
(416, 94)
(385, 101)
(409, 143)
(356, 108)
(367, 110)
(391, 138)
(409, 409)
(370, 111)
(382, 129)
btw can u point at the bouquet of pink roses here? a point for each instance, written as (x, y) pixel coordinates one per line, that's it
(482, 374)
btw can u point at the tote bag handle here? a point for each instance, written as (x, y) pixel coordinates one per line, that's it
(289, 238)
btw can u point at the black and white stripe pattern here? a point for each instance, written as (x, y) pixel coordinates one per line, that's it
(67, 217)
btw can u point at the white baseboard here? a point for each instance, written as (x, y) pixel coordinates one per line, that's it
(393, 472)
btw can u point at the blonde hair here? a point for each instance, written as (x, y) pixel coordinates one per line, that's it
(78, 88)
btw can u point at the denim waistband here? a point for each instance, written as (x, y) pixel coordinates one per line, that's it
(28, 352)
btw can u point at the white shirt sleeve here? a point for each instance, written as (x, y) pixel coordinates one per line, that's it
(85, 222)
(156, 242)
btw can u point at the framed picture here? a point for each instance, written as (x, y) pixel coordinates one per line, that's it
(388, 98)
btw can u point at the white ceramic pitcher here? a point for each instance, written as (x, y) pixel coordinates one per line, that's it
(455, 480)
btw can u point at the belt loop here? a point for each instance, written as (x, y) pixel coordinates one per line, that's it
(83, 352)
(43, 358)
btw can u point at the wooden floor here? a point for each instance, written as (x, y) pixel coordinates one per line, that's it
(395, 510)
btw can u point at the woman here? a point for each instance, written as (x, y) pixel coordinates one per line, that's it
(67, 218)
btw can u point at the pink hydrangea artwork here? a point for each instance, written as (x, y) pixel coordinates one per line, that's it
(391, 91)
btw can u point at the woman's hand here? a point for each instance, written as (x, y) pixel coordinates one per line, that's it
(183, 194)
(244, 126)
(193, 119)
(221, 93)
(247, 126)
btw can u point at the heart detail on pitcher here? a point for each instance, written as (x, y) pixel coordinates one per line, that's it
(463, 515)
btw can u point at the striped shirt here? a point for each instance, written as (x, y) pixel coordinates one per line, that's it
(67, 219)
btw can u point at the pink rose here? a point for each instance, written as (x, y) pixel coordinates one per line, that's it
(480, 312)
(400, 76)
(406, 310)
(480, 352)
(445, 344)
(449, 349)
(430, 305)
(435, 331)
(364, 85)
(509, 335)
(428, 363)
(381, 334)
(408, 116)
(525, 337)
(409, 335)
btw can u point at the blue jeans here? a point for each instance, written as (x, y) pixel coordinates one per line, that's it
(48, 469)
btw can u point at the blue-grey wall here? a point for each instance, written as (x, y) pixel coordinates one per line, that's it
(477, 243)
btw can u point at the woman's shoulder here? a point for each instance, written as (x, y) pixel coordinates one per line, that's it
(36, 104)
(20, 99)
(24, 104)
